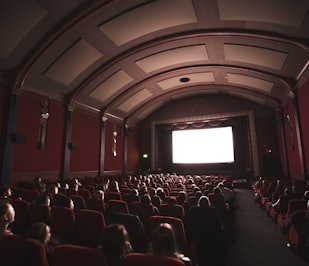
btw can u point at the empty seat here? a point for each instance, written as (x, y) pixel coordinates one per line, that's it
(79, 203)
(90, 226)
(67, 254)
(117, 206)
(40, 213)
(141, 259)
(64, 224)
(22, 218)
(20, 251)
(174, 210)
(95, 204)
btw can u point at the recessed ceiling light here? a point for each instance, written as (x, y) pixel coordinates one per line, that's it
(184, 79)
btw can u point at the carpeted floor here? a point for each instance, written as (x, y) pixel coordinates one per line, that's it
(257, 239)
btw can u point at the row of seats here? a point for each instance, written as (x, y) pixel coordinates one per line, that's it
(281, 199)
(20, 251)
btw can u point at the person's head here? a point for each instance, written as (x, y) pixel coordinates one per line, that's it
(5, 192)
(203, 201)
(7, 214)
(172, 201)
(115, 241)
(146, 199)
(40, 232)
(98, 194)
(68, 202)
(182, 197)
(43, 199)
(163, 241)
(53, 189)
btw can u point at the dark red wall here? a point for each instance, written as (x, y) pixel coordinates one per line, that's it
(27, 156)
(303, 97)
(4, 105)
(133, 152)
(86, 134)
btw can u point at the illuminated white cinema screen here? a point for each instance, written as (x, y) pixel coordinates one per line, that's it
(202, 146)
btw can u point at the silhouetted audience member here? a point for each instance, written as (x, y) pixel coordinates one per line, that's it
(182, 199)
(42, 233)
(43, 199)
(146, 199)
(7, 216)
(115, 244)
(40, 185)
(163, 243)
(5, 193)
(203, 230)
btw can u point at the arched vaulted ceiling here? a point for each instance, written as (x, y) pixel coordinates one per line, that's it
(126, 58)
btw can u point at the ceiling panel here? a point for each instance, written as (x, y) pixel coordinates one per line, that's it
(251, 82)
(171, 57)
(255, 55)
(187, 80)
(111, 86)
(277, 12)
(73, 62)
(135, 100)
(17, 19)
(152, 17)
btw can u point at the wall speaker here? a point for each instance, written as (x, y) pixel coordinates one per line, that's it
(73, 146)
(18, 138)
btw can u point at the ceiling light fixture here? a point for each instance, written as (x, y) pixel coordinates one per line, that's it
(184, 80)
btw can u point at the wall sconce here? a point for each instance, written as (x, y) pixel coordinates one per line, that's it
(43, 125)
(114, 145)
(145, 156)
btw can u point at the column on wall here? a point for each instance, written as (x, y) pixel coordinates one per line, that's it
(9, 139)
(304, 173)
(67, 142)
(284, 146)
(102, 145)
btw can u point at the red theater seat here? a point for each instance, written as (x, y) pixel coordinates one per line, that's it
(90, 226)
(66, 254)
(20, 251)
(40, 213)
(117, 206)
(64, 224)
(178, 226)
(141, 259)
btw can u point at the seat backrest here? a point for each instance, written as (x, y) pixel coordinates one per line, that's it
(40, 213)
(117, 206)
(178, 226)
(63, 224)
(175, 210)
(79, 203)
(95, 204)
(90, 227)
(296, 204)
(113, 196)
(143, 211)
(67, 254)
(141, 259)
(85, 193)
(130, 198)
(58, 200)
(22, 217)
(20, 251)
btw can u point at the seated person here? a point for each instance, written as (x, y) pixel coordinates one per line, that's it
(42, 233)
(163, 243)
(7, 216)
(115, 244)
